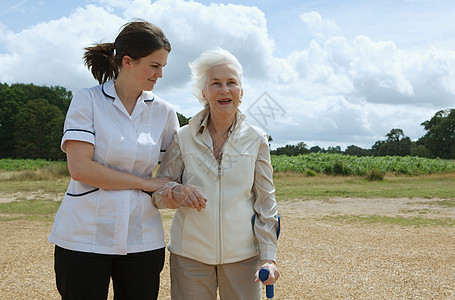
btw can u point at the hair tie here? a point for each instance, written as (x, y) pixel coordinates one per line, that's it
(113, 47)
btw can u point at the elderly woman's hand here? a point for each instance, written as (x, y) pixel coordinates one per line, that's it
(168, 200)
(274, 274)
(189, 196)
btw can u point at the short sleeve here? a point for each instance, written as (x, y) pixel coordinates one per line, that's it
(170, 130)
(79, 119)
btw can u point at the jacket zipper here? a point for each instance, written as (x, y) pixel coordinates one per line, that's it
(220, 240)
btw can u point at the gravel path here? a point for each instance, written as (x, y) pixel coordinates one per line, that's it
(319, 257)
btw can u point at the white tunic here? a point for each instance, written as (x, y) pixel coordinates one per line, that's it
(114, 221)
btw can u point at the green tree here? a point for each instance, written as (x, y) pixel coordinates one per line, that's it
(396, 144)
(357, 151)
(38, 130)
(421, 150)
(182, 119)
(440, 136)
(301, 148)
(335, 149)
(316, 149)
(270, 139)
(57, 96)
(291, 150)
(11, 99)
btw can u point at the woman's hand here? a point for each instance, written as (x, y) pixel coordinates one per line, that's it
(168, 200)
(154, 184)
(188, 196)
(274, 274)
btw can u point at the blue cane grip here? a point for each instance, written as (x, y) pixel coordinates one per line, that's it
(264, 275)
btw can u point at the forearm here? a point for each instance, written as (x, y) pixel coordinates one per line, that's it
(95, 174)
(171, 167)
(84, 169)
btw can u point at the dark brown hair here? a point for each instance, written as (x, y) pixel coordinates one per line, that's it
(136, 39)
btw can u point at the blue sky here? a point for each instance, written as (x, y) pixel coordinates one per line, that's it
(342, 72)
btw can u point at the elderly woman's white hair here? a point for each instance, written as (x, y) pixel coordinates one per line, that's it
(207, 60)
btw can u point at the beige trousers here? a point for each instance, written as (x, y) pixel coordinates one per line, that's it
(193, 280)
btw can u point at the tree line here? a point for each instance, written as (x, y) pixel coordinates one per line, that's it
(32, 117)
(438, 141)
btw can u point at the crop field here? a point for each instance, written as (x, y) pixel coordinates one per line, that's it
(343, 237)
(325, 163)
(338, 164)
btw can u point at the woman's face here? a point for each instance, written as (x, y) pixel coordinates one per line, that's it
(222, 91)
(147, 70)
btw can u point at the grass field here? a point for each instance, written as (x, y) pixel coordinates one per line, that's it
(47, 193)
(297, 185)
(343, 237)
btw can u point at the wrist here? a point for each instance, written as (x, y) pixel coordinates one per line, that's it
(142, 184)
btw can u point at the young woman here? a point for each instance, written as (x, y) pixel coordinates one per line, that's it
(114, 135)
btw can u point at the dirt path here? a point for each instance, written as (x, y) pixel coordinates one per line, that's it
(319, 257)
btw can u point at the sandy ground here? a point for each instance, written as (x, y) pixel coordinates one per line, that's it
(319, 257)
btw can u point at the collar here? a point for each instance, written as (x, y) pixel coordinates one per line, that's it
(199, 122)
(108, 89)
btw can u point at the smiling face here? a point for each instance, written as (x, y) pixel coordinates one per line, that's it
(147, 70)
(222, 91)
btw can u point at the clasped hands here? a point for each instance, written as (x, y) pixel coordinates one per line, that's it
(183, 195)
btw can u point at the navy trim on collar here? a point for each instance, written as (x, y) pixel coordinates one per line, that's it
(103, 89)
(106, 94)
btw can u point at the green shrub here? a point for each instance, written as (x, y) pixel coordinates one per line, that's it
(375, 175)
(310, 173)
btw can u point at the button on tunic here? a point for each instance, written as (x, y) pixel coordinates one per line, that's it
(114, 221)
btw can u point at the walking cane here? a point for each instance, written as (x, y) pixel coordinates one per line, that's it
(264, 273)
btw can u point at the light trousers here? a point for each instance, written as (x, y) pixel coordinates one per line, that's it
(193, 280)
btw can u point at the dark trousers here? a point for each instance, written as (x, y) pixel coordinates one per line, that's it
(86, 276)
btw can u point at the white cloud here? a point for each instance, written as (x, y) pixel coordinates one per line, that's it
(379, 72)
(51, 53)
(354, 92)
(193, 28)
(335, 90)
(320, 28)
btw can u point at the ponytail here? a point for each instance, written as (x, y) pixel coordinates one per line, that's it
(100, 60)
(137, 39)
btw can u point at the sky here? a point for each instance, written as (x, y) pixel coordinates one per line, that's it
(327, 73)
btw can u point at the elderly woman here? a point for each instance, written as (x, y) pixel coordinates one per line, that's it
(219, 157)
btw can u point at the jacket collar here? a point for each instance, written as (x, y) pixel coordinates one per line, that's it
(198, 123)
